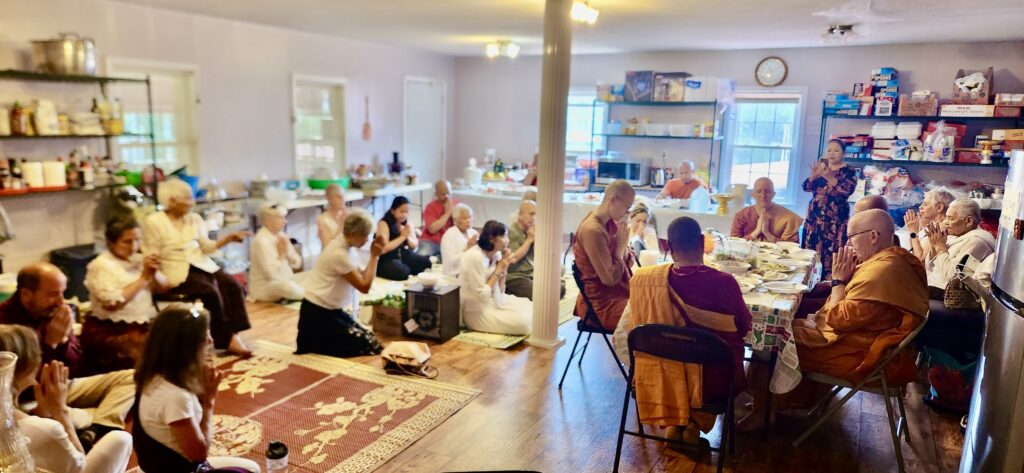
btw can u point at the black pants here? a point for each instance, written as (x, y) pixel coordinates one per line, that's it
(399, 268)
(333, 332)
(222, 296)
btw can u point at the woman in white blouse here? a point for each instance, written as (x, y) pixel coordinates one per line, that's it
(121, 283)
(457, 239)
(329, 223)
(180, 238)
(273, 259)
(53, 442)
(485, 306)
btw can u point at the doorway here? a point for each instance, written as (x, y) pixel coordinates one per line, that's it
(423, 137)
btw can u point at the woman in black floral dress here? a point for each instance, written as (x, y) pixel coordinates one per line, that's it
(830, 184)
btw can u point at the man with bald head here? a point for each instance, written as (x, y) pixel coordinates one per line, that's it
(683, 184)
(766, 221)
(437, 219)
(521, 235)
(602, 255)
(869, 202)
(879, 295)
(38, 303)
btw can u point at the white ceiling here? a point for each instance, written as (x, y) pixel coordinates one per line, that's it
(462, 27)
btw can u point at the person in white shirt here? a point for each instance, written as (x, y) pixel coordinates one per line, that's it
(53, 442)
(933, 210)
(327, 316)
(176, 389)
(121, 283)
(642, 234)
(180, 238)
(456, 240)
(329, 223)
(273, 258)
(956, 239)
(482, 272)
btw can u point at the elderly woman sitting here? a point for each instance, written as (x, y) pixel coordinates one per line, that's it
(273, 259)
(180, 238)
(120, 282)
(456, 240)
(329, 223)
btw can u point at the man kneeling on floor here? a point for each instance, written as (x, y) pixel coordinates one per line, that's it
(39, 304)
(684, 293)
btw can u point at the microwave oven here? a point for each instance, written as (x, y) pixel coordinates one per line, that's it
(636, 171)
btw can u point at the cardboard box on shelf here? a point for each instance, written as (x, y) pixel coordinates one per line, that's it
(959, 110)
(911, 106)
(1012, 100)
(1007, 111)
(639, 86)
(1008, 135)
(708, 89)
(1009, 145)
(670, 86)
(968, 156)
(969, 92)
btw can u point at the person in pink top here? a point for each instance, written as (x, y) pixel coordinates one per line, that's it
(437, 219)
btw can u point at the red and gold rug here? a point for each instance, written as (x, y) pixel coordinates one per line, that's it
(334, 415)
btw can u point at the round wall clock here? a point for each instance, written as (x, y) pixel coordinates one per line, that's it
(771, 71)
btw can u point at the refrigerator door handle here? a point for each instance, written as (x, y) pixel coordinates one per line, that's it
(1008, 301)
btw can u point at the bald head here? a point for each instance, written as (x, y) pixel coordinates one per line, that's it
(527, 214)
(442, 190)
(685, 171)
(871, 202)
(618, 198)
(869, 232)
(41, 289)
(763, 192)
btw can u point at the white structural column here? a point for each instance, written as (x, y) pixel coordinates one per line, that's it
(550, 173)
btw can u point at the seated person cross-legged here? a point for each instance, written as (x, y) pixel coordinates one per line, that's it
(399, 260)
(327, 316)
(176, 391)
(329, 223)
(482, 272)
(38, 304)
(957, 238)
(457, 240)
(766, 220)
(602, 255)
(520, 241)
(685, 293)
(121, 283)
(879, 295)
(273, 259)
(181, 239)
(53, 442)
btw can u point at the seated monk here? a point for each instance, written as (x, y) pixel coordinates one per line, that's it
(684, 183)
(879, 295)
(602, 255)
(687, 294)
(766, 221)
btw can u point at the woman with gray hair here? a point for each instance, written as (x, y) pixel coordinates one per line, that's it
(183, 243)
(457, 239)
(273, 259)
(327, 316)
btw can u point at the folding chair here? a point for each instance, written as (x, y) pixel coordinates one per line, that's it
(590, 325)
(877, 376)
(687, 345)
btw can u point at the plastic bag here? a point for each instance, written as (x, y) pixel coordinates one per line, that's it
(938, 146)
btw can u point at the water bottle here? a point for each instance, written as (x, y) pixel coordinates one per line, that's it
(277, 456)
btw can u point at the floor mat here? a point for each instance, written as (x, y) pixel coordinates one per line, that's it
(492, 340)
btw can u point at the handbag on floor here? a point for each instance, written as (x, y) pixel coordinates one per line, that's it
(958, 294)
(408, 358)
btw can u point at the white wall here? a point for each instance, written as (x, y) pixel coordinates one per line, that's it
(497, 103)
(244, 83)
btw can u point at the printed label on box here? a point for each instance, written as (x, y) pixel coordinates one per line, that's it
(411, 325)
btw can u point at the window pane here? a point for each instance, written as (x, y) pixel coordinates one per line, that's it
(766, 112)
(763, 133)
(785, 113)
(583, 118)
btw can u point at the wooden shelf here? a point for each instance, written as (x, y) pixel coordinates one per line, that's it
(12, 74)
(898, 118)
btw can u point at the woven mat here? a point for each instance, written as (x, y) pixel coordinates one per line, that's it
(335, 415)
(491, 340)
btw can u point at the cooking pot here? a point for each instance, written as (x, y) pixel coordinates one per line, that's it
(69, 54)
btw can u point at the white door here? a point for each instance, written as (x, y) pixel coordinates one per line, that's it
(424, 132)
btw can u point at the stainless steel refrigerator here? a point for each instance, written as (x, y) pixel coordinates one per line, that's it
(995, 424)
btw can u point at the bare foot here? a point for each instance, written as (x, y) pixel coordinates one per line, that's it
(238, 347)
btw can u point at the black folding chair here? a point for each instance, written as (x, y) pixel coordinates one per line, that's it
(590, 325)
(686, 345)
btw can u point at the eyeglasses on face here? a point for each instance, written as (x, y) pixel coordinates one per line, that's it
(859, 233)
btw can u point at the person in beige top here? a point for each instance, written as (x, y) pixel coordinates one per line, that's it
(765, 220)
(182, 241)
(330, 222)
(601, 252)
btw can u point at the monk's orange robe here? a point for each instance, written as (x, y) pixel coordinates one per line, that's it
(605, 270)
(782, 222)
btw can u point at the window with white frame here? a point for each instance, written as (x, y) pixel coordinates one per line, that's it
(764, 133)
(173, 118)
(584, 118)
(319, 127)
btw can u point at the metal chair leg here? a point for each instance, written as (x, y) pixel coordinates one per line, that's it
(821, 420)
(584, 351)
(622, 427)
(572, 239)
(732, 428)
(618, 362)
(892, 424)
(569, 362)
(904, 424)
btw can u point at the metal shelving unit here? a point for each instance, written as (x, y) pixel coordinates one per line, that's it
(714, 141)
(1003, 165)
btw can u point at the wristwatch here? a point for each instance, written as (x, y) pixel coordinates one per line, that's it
(837, 282)
(913, 235)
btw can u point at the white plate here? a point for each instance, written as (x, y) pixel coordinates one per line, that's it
(733, 267)
(778, 266)
(789, 245)
(778, 277)
(805, 255)
(745, 288)
(793, 262)
(784, 287)
(748, 279)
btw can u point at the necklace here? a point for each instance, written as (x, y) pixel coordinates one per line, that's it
(687, 270)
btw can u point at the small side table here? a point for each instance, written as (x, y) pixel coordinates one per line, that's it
(431, 313)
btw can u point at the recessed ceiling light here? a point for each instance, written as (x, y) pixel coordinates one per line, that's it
(502, 48)
(583, 12)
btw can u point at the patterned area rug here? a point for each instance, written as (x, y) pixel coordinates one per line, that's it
(334, 415)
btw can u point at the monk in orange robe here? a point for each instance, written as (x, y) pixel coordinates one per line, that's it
(879, 295)
(765, 220)
(602, 255)
(684, 183)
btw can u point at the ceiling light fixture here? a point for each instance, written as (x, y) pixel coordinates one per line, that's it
(838, 34)
(584, 13)
(502, 48)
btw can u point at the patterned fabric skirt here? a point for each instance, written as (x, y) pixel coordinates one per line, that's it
(111, 346)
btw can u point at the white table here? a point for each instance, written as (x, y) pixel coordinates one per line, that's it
(372, 194)
(496, 206)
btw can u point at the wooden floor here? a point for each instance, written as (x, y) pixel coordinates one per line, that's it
(521, 421)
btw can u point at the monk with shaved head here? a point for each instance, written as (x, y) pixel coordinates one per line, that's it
(602, 255)
(765, 220)
(879, 295)
(869, 202)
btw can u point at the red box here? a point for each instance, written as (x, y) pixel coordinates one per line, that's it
(1007, 111)
(961, 130)
(1013, 144)
(968, 156)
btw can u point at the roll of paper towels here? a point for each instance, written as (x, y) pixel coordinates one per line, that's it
(32, 172)
(53, 174)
